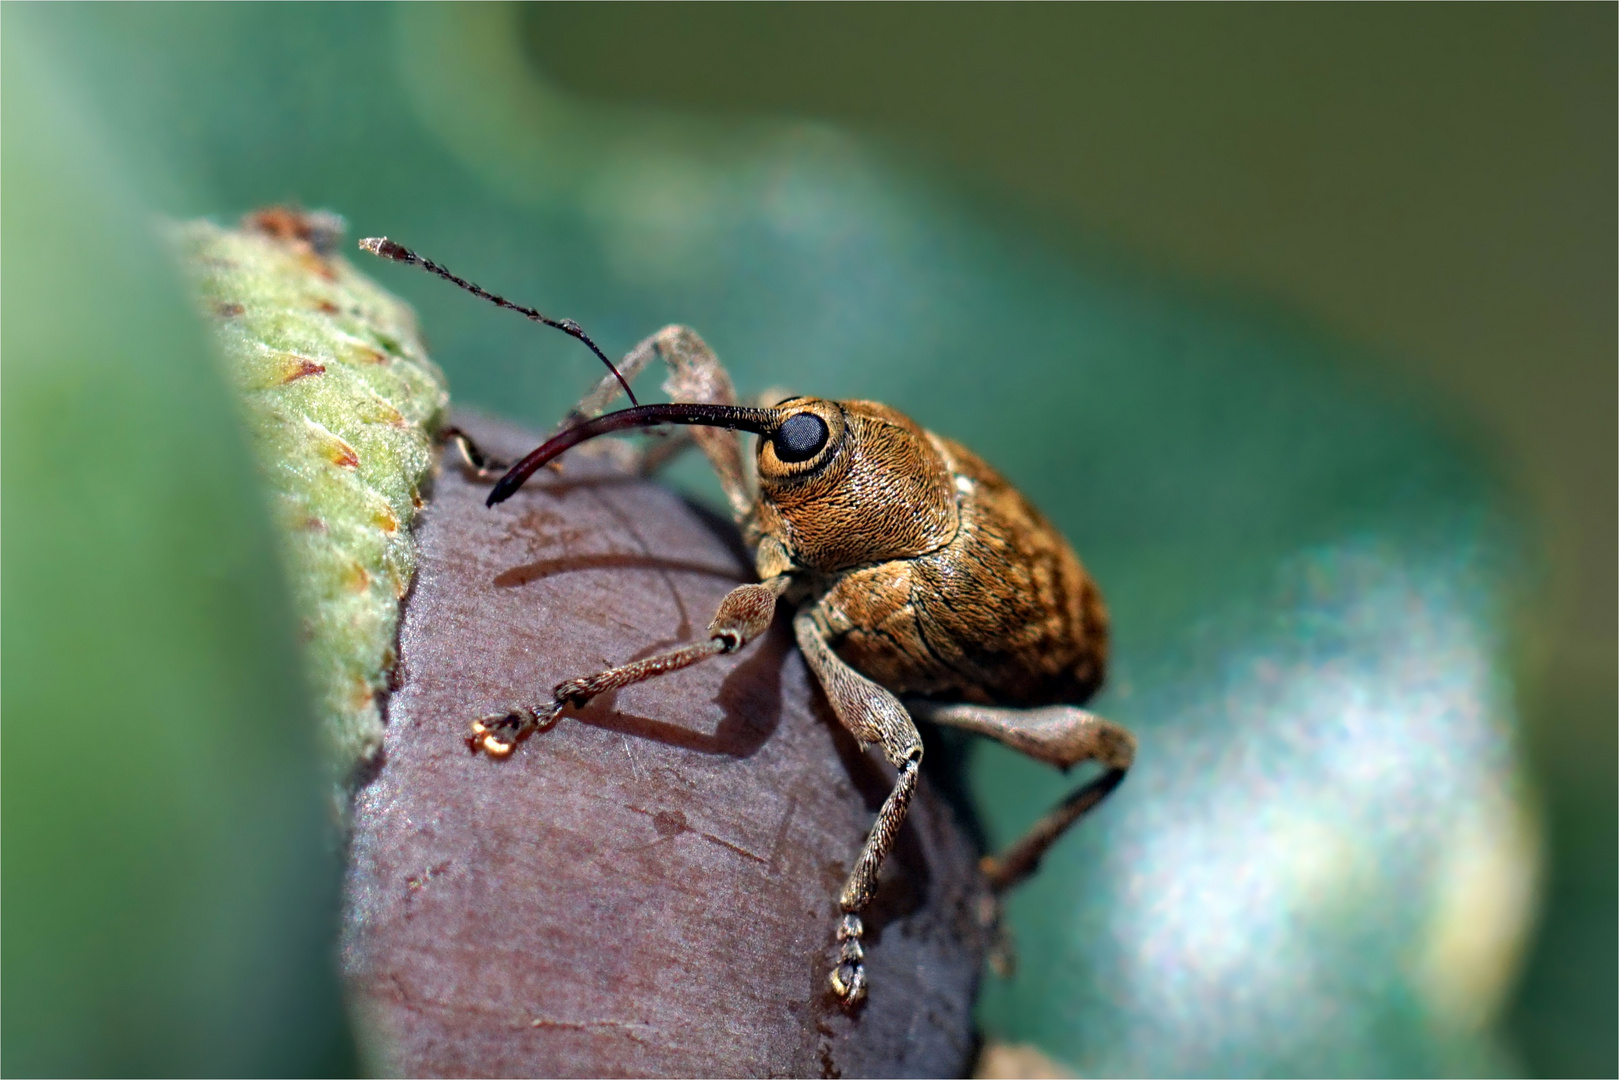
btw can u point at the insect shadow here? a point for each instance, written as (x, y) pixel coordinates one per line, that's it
(750, 696)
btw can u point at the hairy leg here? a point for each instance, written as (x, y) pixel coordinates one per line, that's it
(1061, 735)
(872, 715)
(743, 615)
(695, 375)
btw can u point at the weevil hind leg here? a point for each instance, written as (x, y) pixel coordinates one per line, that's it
(1061, 735)
(872, 715)
(743, 615)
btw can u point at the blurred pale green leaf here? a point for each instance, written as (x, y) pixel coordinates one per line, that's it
(170, 872)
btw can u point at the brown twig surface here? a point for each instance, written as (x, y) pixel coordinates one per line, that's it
(650, 887)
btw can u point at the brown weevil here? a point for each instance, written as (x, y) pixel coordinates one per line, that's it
(914, 570)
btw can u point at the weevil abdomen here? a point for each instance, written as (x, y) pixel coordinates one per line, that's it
(1002, 614)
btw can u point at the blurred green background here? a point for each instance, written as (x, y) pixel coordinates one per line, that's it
(1300, 321)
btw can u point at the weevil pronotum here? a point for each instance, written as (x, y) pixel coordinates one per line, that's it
(915, 572)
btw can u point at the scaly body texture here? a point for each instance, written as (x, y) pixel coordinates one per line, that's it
(999, 612)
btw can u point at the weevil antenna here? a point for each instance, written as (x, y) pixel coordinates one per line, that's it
(384, 248)
(734, 417)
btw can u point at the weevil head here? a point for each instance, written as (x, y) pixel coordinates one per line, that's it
(843, 483)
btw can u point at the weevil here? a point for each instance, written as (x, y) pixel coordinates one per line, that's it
(923, 585)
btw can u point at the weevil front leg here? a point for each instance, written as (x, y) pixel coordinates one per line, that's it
(1061, 735)
(695, 374)
(743, 615)
(872, 715)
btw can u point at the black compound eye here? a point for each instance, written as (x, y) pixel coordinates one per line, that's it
(800, 438)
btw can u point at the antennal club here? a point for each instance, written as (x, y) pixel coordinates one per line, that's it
(384, 248)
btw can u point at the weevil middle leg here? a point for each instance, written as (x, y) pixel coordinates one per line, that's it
(1062, 735)
(872, 715)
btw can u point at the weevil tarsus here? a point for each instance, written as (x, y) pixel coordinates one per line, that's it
(917, 573)
(474, 459)
(743, 615)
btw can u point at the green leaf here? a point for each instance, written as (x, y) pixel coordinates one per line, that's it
(170, 871)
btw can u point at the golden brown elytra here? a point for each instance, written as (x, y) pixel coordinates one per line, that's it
(914, 569)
